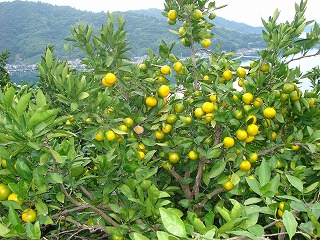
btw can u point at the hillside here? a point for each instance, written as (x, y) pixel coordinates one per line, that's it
(28, 27)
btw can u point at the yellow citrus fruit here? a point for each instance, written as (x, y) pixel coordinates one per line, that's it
(269, 112)
(208, 107)
(205, 43)
(197, 14)
(281, 205)
(278, 224)
(167, 166)
(99, 136)
(193, 155)
(166, 128)
(29, 215)
(174, 158)
(280, 213)
(249, 139)
(177, 66)
(141, 147)
(142, 67)
(264, 67)
(123, 128)
(227, 75)
(212, 15)
(159, 134)
(109, 79)
(207, 79)
(161, 79)
(3, 163)
(295, 147)
(247, 108)
(209, 117)
(4, 191)
(228, 142)
(287, 88)
(182, 31)
(274, 136)
(247, 98)
(241, 134)
(240, 83)
(141, 154)
(213, 97)
(238, 114)
(252, 157)
(14, 197)
(279, 165)
(151, 101)
(178, 108)
(172, 14)
(228, 185)
(128, 122)
(311, 102)
(198, 112)
(252, 119)
(165, 69)
(163, 91)
(188, 120)
(110, 135)
(245, 166)
(172, 118)
(257, 102)
(294, 96)
(252, 130)
(241, 72)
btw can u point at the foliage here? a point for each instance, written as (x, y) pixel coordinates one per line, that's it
(4, 75)
(39, 24)
(171, 148)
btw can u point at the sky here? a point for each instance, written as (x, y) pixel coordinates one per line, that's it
(244, 11)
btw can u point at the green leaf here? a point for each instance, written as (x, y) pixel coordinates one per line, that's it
(214, 153)
(296, 182)
(217, 169)
(49, 58)
(3, 230)
(224, 213)
(23, 103)
(172, 223)
(315, 136)
(40, 99)
(23, 170)
(264, 173)
(8, 97)
(139, 236)
(254, 184)
(53, 178)
(56, 156)
(83, 95)
(279, 117)
(13, 217)
(257, 230)
(290, 223)
(42, 208)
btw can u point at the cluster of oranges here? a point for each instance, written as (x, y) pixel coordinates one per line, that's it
(28, 214)
(195, 17)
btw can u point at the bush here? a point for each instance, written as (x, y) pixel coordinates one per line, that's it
(168, 148)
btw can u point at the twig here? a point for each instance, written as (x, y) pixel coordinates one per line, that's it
(196, 187)
(86, 192)
(209, 196)
(96, 210)
(217, 138)
(312, 55)
(185, 187)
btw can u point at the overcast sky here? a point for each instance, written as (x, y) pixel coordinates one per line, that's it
(245, 11)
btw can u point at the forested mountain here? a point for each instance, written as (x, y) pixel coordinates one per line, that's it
(28, 27)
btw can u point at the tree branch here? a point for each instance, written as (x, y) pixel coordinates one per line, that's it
(196, 187)
(185, 187)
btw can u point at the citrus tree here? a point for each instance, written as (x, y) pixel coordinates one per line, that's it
(194, 147)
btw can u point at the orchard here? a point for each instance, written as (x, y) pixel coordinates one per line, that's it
(200, 147)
